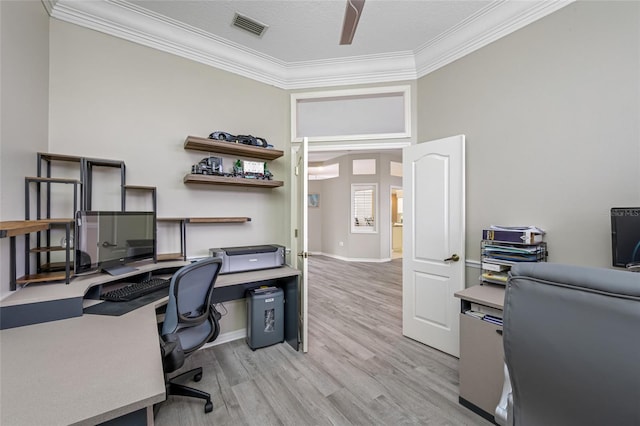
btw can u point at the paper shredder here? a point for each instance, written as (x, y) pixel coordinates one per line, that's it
(265, 317)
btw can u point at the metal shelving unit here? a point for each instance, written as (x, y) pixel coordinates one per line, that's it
(497, 258)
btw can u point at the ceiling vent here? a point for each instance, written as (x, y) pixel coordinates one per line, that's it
(250, 25)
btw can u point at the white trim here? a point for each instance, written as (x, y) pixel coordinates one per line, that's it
(353, 259)
(472, 264)
(227, 337)
(321, 146)
(498, 19)
(404, 90)
(376, 209)
(49, 5)
(367, 69)
(133, 23)
(469, 263)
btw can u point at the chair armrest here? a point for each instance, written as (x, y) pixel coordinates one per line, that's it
(214, 316)
(504, 410)
(172, 352)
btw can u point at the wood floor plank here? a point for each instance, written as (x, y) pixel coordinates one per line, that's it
(359, 370)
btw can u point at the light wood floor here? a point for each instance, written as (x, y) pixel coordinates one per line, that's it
(359, 370)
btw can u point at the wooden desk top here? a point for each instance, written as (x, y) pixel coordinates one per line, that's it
(78, 287)
(91, 368)
(486, 294)
(83, 370)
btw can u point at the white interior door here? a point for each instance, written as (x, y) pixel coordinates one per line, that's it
(300, 235)
(433, 266)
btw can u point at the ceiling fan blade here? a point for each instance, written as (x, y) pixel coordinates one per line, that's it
(351, 18)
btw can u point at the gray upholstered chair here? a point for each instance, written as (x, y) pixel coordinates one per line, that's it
(190, 322)
(572, 347)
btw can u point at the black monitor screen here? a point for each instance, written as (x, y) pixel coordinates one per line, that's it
(625, 235)
(108, 239)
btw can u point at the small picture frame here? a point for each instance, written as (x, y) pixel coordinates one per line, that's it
(314, 200)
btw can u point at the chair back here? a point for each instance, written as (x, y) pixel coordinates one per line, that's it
(572, 345)
(189, 313)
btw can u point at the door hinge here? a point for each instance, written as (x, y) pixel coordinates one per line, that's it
(295, 233)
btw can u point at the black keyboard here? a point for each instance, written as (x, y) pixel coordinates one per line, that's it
(135, 290)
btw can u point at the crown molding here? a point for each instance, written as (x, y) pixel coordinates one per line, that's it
(48, 5)
(398, 66)
(125, 20)
(498, 19)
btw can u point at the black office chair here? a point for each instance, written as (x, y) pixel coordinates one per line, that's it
(190, 322)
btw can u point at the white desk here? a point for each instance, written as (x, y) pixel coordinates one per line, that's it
(82, 370)
(87, 369)
(481, 353)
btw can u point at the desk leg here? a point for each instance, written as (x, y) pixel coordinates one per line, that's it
(292, 312)
(12, 263)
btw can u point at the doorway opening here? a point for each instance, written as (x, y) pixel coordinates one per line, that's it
(397, 210)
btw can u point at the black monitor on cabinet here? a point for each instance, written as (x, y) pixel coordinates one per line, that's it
(625, 236)
(110, 240)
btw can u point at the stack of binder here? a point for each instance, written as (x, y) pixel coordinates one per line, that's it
(515, 234)
(502, 247)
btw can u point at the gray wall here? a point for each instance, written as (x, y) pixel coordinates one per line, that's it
(115, 99)
(552, 115)
(24, 103)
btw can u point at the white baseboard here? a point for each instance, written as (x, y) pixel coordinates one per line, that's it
(352, 259)
(227, 337)
(469, 262)
(472, 264)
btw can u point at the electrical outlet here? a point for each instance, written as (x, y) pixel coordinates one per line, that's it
(341, 244)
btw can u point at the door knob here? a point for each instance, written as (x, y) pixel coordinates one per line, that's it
(454, 257)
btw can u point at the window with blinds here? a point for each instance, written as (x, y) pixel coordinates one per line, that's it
(363, 208)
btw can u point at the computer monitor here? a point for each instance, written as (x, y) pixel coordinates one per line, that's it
(625, 235)
(109, 240)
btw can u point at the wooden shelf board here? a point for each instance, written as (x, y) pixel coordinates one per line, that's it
(55, 266)
(47, 249)
(169, 256)
(234, 181)
(240, 219)
(142, 187)
(42, 277)
(57, 221)
(11, 228)
(231, 148)
(103, 162)
(218, 219)
(59, 157)
(170, 219)
(50, 180)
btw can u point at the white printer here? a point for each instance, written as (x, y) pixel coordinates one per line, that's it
(249, 258)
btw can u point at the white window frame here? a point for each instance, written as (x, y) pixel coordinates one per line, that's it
(376, 211)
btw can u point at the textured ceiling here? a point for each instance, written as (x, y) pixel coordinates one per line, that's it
(302, 30)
